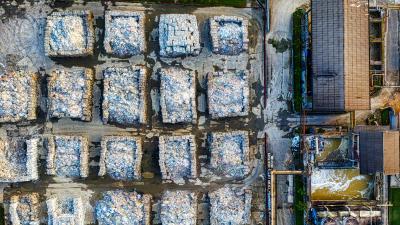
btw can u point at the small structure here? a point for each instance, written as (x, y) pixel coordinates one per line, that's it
(124, 33)
(18, 96)
(68, 156)
(69, 33)
(178, 157)
(65, 210)
(178, 35)
(178, 95)
(230, 205)
(18, 159)
(121, 157)
(25, 209)
(124, 95)
(229, 35)
(179, 207)
(124, 208)
(228, 94)
(230, 155)
(379, 150)
(70, 93)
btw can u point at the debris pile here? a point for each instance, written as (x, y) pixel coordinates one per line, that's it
(68, 156)
(178, 35)
(230, 205)
(121, 157)
(18, 159)
(179, 207)
(123, 208)
(69, 33)
(124, 97)
(25, 209)
(18, 96)
(124, 33)
(178, 95)
(70, 93)
(229, 35)
(65, 210)
(230, 154)
(228, 94)
(178, 157)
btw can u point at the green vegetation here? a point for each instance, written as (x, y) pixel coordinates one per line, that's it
(280, 45)
(297, 45)
(385, 116)
(299, 205)
(394, 212)
(2, 214)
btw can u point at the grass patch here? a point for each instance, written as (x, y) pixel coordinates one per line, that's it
(394, 212)
(297, 45)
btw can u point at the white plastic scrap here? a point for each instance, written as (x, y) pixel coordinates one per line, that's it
(121, 157)
(178, 157)
(69, 33)
(24, 209)
(230, 206)
(18, 159)
(229, 35)
(18, 96)
(178, 35)
(70, 93)
(178, 208)
(65, 210)
(178, 95)
(123, 208)
(125, 95)
(124, 33)
(228, 94)
(68, 156)
(230, 154)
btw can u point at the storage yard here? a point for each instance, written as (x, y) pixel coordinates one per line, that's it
(276, 112)
(112, 129)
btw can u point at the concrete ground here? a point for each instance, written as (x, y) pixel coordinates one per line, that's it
(278, 96)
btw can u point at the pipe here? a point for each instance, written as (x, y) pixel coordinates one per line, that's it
(273, 191)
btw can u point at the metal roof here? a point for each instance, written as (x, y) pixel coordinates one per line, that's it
(379, 150)
(340, 60)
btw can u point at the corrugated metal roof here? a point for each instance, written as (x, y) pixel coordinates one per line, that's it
(371, 152)
(379, 150)
(391, 155)
(340, 44)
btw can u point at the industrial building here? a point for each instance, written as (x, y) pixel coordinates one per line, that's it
(378, 149)
(340, 55)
